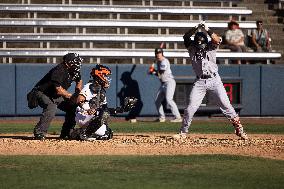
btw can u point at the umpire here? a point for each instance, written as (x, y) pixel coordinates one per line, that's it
(51, 93)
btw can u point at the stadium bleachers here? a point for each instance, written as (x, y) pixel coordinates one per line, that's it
(41, 29)
(118, 11)
(280, 4)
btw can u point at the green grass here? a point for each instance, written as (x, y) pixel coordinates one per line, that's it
(196, 171)
(144, 127)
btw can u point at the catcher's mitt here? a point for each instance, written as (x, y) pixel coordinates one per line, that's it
(129, 103)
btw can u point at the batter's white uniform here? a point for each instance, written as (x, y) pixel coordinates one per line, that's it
(167, 89)
(208, 81)
(82, 117)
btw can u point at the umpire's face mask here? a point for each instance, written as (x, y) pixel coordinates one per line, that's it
(75, 65)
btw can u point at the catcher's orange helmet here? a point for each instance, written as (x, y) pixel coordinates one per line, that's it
(101, 74)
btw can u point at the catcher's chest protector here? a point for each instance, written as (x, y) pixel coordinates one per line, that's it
(99, 99)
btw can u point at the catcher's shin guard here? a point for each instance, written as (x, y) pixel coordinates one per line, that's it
(239, 130)
(107, 136)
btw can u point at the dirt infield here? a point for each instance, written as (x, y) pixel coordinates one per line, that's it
(258, 145)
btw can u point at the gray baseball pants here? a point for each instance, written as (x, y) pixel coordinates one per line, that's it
(167, 90)
(48, 113)
(215, 87)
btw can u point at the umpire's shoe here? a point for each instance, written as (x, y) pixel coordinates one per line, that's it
(64, 136)
(39, 136)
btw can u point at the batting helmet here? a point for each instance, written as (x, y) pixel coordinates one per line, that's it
(101, 74)
(200, 40)
(159, 50)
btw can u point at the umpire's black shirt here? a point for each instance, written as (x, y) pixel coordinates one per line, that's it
(57, 76)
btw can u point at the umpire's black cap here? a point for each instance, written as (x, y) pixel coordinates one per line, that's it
(70, 56)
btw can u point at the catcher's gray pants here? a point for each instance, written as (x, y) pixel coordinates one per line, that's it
(49, 110)
(215, 87)
(167, 90)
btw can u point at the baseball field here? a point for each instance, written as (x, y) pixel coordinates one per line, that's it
(144, 155)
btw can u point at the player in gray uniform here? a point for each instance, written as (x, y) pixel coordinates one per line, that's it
(167, 88)
(203, 57)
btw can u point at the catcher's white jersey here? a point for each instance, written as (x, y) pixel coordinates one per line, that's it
(82, 117)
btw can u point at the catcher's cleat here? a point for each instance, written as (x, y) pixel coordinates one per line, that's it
(240, 132)
(176, 120)
(39, 136)
(180, 136)
(83, 135)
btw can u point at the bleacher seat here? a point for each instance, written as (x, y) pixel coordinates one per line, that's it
(149, 11)
(43, 24)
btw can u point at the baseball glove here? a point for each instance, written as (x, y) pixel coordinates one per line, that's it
(129, 103)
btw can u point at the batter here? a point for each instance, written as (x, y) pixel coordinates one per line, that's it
(203, 57)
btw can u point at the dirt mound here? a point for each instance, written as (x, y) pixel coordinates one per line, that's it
(269, 146)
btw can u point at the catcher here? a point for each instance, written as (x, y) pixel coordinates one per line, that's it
(92, 113)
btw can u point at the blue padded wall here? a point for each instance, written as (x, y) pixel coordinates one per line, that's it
(27, 75)
(147, 84)
(229, 70)
(7, 89)
(262, 89)
(250, 90)
(272, 90)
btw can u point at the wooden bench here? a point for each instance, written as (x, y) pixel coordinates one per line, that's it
(118, 10)
(127, 53)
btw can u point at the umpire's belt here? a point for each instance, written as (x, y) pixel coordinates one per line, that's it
(203, 76)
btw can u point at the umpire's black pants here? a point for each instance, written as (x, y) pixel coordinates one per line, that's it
(49, 110)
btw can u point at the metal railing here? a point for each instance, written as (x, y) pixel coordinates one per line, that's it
(128, 53)
(118, 10)
(126, 24)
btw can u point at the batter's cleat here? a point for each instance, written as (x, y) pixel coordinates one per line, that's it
(176, 120)
(133, 120)
(180, 136)
(161, 120)
(39, 136)
(240, 133)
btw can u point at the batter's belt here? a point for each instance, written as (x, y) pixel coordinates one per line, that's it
(203, 76)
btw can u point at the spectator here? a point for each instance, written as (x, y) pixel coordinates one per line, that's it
(235, 39)
(260, 38)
